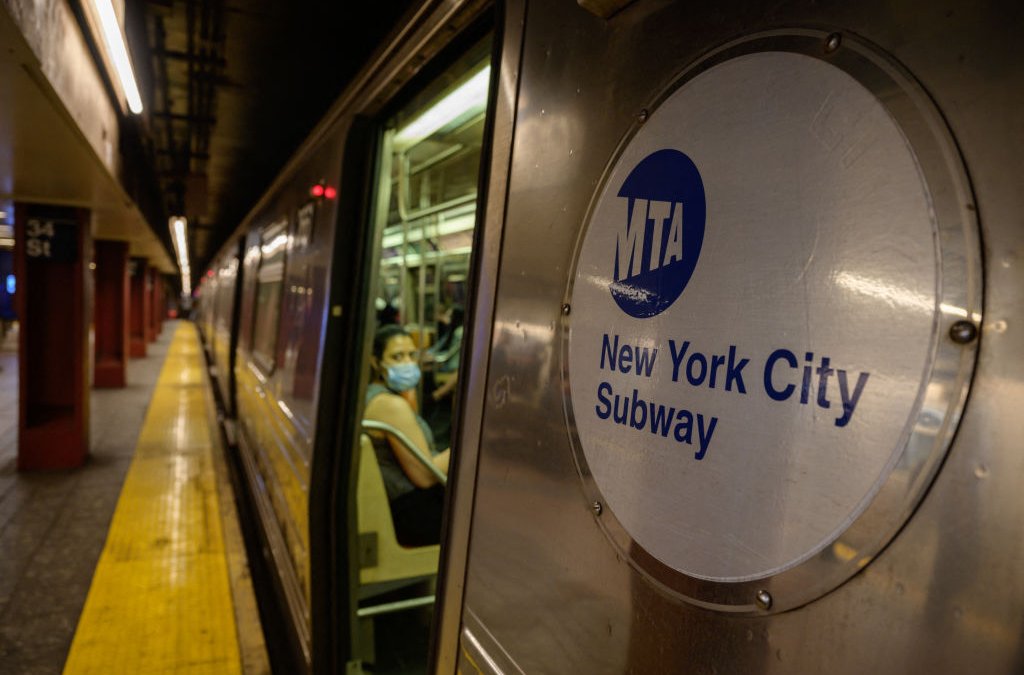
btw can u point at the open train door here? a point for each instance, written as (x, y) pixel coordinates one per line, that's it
(746, 381)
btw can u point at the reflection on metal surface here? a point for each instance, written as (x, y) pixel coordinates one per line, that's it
(483, 651)
(473, 648)
(274, 245)
(878, 289)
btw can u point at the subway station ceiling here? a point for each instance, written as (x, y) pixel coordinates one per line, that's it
(231, 89)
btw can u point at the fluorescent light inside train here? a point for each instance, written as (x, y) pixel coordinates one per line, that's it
(119, 53)
(470, 97)
(179, 236)
(275, 245)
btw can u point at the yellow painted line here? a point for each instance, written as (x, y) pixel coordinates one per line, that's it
(161, 599)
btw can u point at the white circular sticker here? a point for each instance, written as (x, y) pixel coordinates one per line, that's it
(754, 308)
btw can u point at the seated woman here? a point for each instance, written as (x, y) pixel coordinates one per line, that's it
(417, 500)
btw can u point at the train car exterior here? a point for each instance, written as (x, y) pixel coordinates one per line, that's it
(202, 308)
(346, 231)
(284, 267)
(737, 388)
(668, 475)
(216, 318)
(208, 307)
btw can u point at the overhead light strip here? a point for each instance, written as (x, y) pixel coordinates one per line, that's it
(180, 239)
(451, 226)
(469, 97)
(119, 53)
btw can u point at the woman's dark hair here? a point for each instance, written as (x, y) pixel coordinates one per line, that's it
(458, 315)
(384, 335)
(388, 315)
(446, 331)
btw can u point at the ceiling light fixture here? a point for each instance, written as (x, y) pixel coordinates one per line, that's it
(469, 97)
(179, 236)
(119, 53)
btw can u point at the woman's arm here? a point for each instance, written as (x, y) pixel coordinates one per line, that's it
(441, 460)
(394, 410)
(446, 388)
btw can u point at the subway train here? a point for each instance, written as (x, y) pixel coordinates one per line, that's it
(739, 378)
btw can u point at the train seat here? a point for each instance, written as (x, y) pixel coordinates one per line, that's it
(383, 561)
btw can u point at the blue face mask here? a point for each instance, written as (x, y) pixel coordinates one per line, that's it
(403, 376)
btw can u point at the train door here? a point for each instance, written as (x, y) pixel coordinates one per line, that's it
(407, 359)
(743, 410)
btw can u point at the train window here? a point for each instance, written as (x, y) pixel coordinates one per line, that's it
(426, 196)
(269, 283)
(434, 157)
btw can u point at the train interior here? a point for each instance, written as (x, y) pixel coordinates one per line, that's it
(428, 172)
(433, 148)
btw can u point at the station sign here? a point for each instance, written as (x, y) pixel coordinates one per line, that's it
(755, 311)
(51, 239)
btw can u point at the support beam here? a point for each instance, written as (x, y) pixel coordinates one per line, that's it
(139, 308)
(52, 246)
(112, 303)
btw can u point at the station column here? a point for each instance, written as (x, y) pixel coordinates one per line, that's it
(139, 311)
(112, 299)
(158, 303)
(151, 281)
(52, 250)
(155, 302)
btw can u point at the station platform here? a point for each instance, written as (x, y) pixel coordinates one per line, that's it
(135, 562)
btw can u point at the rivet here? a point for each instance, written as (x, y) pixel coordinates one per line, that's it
(596, 508)
(963, 332)
(764, 600)
(643, 115)
(832, 42)
(566, 309)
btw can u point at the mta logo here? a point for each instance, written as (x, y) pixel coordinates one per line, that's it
(658, 243)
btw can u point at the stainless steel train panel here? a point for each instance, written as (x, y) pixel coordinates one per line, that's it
(556, 579)
(222, 308)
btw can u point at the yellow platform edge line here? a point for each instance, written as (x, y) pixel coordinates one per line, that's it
(161, 598)
(255, 660)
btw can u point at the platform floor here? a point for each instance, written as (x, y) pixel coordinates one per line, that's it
(172, 574)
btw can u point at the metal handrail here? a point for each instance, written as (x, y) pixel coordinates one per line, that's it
(421, 456)
(397, 606)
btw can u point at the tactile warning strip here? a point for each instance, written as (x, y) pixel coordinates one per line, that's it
(160, 599)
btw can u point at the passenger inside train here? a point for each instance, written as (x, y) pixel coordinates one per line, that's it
(415, 496)
(441, 373)
(444, 353)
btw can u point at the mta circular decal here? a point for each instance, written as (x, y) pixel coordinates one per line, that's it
(732, 404)
(658, 242)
